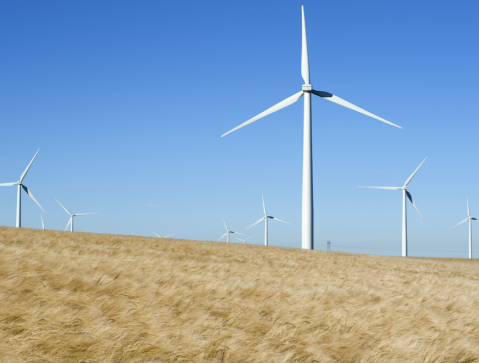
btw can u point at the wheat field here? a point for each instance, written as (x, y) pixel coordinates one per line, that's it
(83, 297)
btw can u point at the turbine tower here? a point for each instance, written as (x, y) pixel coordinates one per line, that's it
(19, 193)
(307, 89)
(404, 217)
(266, 217)
(70, 222)
(162, 236)
(470, 227)
(244, 240)
(227, 234)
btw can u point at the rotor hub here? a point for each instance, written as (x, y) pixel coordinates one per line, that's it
(307, 88)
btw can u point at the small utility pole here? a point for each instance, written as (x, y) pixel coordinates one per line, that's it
(329, 245)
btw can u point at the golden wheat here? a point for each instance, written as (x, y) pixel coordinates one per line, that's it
(81, 297)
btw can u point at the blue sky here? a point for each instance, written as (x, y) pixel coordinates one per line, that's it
(127, 101)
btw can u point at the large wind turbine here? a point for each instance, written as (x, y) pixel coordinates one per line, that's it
(70, 222)
(19, 192)
(227, 234)
(470, 227)
(266, 217)
(307, 90)
(162, 236)
(404, 218)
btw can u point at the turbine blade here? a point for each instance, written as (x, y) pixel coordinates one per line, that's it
(412, 175)
(43, 226)
(69, 221)
(279, 220)
(468, 212)
(169, 235)
(156, 234)
(66, 210)
(223, 236)
(237, 233)
(414, 204)
(28, 167)
(84, 214)
(225, 225)
(31, 196)
(340, 101)
(388, 188)
(459, 223)
(264, 207)
(7, 184)
(278, 106)
(249, 237)
(304, 53)
(256, 222)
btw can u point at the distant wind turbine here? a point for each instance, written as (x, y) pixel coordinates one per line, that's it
(266, 217)
(227, 234)
(162, 236)
(244, 240)
(70, 222)
(470, 227)
(19, 193)
(404, 218)
(307, 90)
(43, 226)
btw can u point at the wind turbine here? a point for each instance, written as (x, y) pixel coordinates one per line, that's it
(244, 240)
(227, 234)
(19, 192)
(470, 227)
(404, 218)
(43, 226)
(307, 90)
(70, 222)
(162, 236)
(266, 217)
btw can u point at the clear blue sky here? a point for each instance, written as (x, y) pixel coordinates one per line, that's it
(127, 101)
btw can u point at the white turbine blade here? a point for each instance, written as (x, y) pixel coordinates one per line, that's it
(239, 239)
(279, 220)
(28, 167)
(169, 235)
(84, 214)
(237, 233)
(156, 234)
(468, 212)
(414, 204)
(304, 53)
(66, 210)
(249, 237)
(412, 175)
(69, 221)
(340, 101)
(275, 108)
(459, 223)
(31, 196)
(256, 222)
(43, 226)
(225, 225)
(388, 188)
(8, 184)
(264, 206)
(223, 236)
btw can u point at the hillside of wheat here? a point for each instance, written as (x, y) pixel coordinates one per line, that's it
(82, 297)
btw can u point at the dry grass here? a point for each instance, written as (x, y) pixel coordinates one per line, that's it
(105, 298)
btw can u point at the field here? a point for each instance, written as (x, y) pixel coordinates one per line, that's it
(81, 297)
